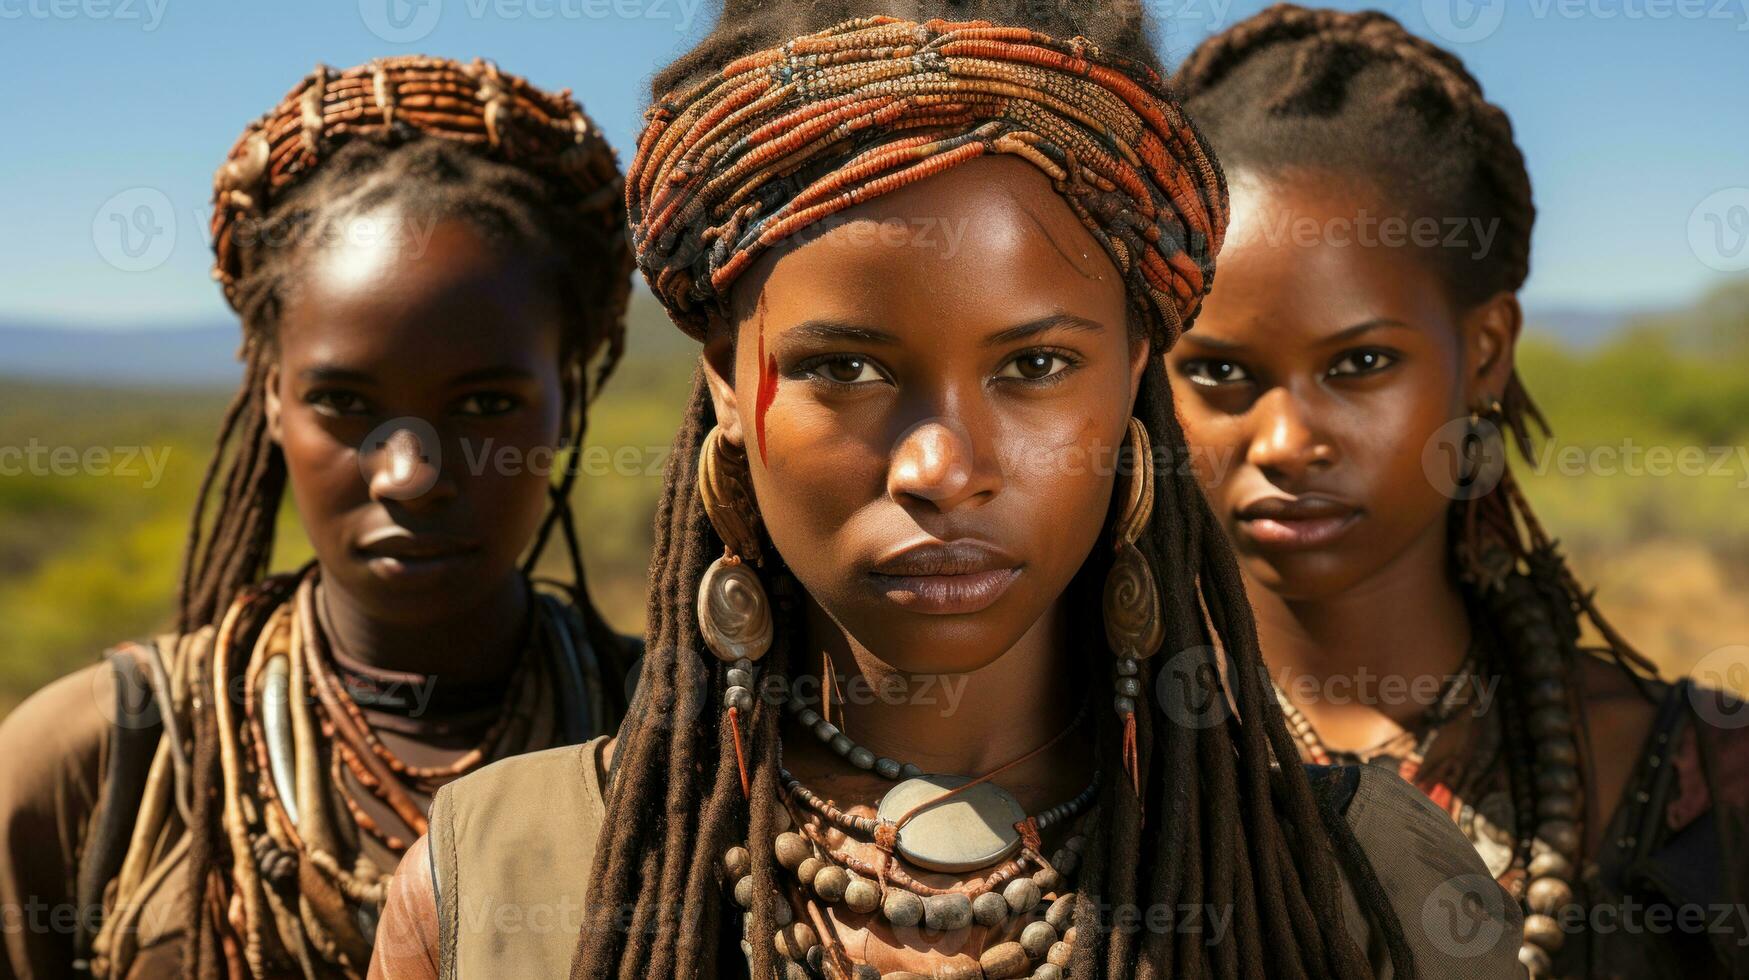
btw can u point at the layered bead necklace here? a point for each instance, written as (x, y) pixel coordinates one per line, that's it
(317, 807)
(939, 824)
(1543, 771)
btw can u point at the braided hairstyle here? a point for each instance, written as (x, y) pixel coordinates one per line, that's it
(1121, 27)
(1355, 93)
(524, 167)
(1223, 826)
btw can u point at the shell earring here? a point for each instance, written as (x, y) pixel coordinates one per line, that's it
(1133, 626)
(734, 613)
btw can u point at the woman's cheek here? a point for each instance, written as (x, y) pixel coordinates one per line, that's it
(816, 474)
(1066, 468)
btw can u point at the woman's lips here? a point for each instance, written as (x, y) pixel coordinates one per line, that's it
(1296, 522)
(405, 558)
(945, 578)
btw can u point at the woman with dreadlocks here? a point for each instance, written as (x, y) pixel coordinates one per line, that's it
(426, 257)
(1348, 392)
(932, 266)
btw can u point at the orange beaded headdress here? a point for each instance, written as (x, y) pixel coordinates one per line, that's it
(501, 115)
(783, 138)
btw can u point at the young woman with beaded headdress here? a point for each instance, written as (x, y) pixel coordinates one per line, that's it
(1349, 394)
(427, 257)
(932, 265)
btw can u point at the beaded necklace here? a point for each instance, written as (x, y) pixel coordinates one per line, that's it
(1409, 746)
(1023, 899)
(1543, 760)
(317, 808)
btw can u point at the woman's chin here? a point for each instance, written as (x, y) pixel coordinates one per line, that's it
(1302, 576)
(922, 644)
(412, 598)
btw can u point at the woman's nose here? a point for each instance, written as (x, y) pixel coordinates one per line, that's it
(939, 462)
(1284, 441)
(403, 461)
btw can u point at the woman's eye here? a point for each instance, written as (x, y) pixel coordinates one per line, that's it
(1364, 361)
(846, 370)
(1035, 366)
(337, 402)
(1214, 373)
(486, 403)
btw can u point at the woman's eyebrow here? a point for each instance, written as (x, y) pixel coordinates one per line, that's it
(1199, 338)
(1365, 326)
(1056, 321)
(330, 374)
(505, 372)
(828, 331)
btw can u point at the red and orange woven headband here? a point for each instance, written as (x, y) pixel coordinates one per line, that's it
(500, 114)
(780, 139)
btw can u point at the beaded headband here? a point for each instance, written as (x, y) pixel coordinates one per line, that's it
(501, 115)
(780, 139)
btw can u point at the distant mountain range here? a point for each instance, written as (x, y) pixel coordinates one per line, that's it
(173, 357)
(206, 355)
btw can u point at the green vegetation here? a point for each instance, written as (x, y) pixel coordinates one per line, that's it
(88, 559)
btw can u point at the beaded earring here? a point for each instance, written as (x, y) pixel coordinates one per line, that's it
(734, 613)
(1133, 626)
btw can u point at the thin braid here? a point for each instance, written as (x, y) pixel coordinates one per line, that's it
(1354, 88)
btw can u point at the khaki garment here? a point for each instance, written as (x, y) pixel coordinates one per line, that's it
(512, 847)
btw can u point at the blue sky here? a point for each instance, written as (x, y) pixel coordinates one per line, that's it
(1632, 114)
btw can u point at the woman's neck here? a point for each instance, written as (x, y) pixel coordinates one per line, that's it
(1365, 663)
(963, 723)
(468, 646)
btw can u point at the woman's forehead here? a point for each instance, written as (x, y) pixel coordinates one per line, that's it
(992, 225)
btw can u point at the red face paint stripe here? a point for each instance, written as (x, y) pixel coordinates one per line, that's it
(767, 390)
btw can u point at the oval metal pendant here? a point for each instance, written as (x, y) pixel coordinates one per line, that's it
(965, 832)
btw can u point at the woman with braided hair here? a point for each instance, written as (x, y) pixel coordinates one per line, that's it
(427, 258)
(1349, 394)
(932, 687)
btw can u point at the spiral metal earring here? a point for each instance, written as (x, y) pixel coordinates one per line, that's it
(1133, 626)
(734, 613)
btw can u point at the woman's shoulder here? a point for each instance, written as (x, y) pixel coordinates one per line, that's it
(59, 741)
(54, 740)
(1455, 918)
